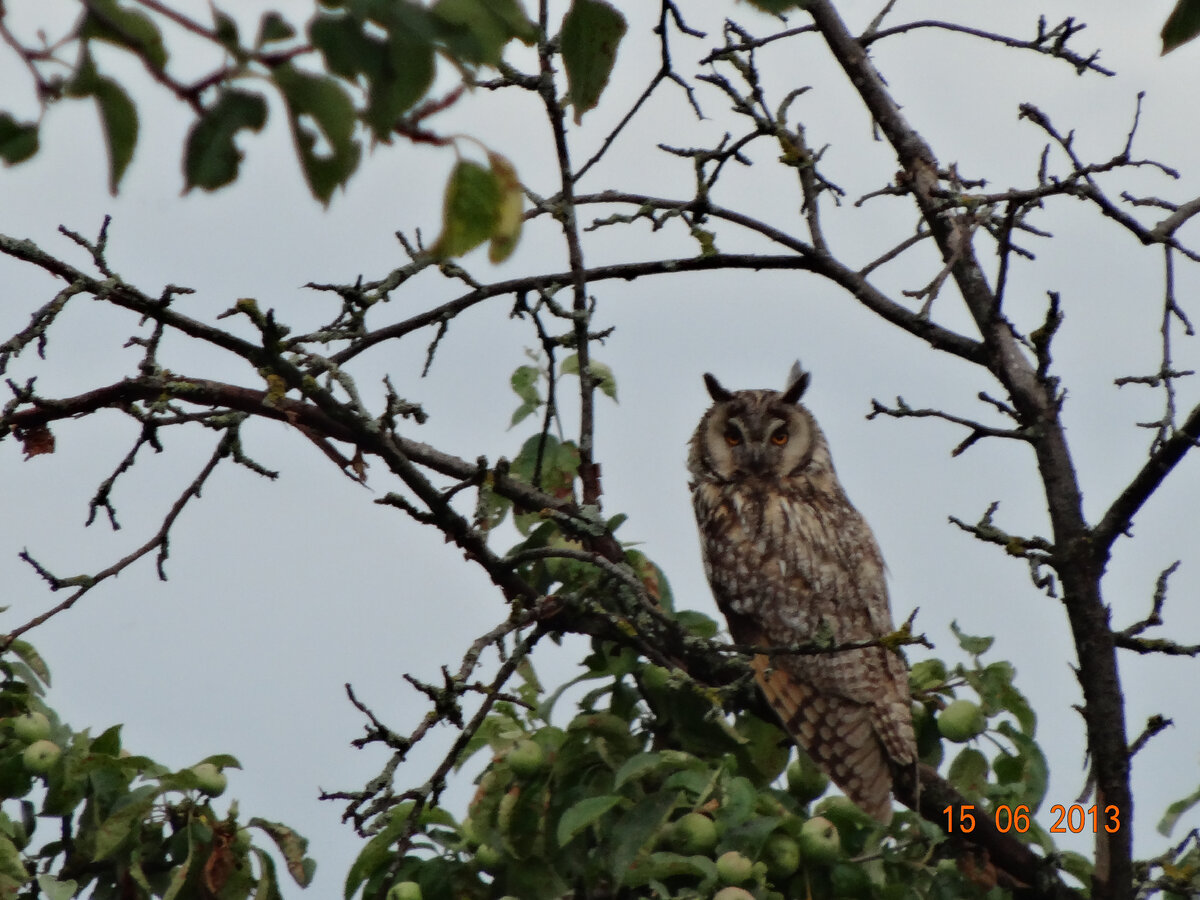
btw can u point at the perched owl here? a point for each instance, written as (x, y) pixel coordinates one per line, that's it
(791, 561)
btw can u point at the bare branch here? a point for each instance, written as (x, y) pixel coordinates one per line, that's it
(978, 430)
(1119, 517)
(160, 542)
(1050, 42)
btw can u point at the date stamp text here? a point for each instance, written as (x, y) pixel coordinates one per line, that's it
(1074, 819)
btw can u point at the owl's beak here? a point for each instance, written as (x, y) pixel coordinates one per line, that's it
(756, 460)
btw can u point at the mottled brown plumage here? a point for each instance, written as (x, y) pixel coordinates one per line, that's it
(791, 561)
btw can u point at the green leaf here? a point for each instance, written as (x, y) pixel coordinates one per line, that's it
(926, 675)
(560, 464)
(222, 761)
(583, 814)
(118, 116)
(591, 32)
(602, 375)
(55, 889)
(969, 772)
(15, 780)
(377, 851)
(292, 846)
(637, 766)
(519, 25)
(476, 31)
(126, 816)
(764, 751)
(398, 67)
(347, 51)
(472, 30)
(973, 645)
(273, 27)
(267, 887)
(1077, 865)
(28, 655)
(1035, 772)
(1181, 26)
(18, 140)
(524, 383)
(661, 866)
(12, 869)
(697, 623)
(1176, 810)
(323, 122)
(652, 577)
(179, 876)
(636, 828)
(226, 31)
(511, 216)
(131, 29)
(108, 743)
(470, 211)
(211, 158)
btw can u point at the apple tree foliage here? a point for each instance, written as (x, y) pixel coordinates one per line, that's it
(667, 776)
(81, 815)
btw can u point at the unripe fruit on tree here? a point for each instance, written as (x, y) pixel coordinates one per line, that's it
(782, 856)
(404, 890)
(960, 721)
(40, 756)
(734, 868)
(694, 834)
(819, 840)
(33, 726)
(805, 781)
(526, 758)
(733, 893)
(209, 779)
(489, 858)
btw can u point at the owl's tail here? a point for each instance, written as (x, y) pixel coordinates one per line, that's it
(839, 734)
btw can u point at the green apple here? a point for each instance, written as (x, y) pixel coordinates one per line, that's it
(526, 758)
(733, 893)
(694, 834)
(782, 856)
(819, 840)
(404, 890)
(33, 726)
(960, 721)
(489, 858)
(40, 756)
(734, 868)
(805, 780)
(209, 779)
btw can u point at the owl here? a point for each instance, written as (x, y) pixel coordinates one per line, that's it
(790, 562)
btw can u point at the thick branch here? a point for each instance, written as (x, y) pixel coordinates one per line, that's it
(1119, 517)
(1036, 403)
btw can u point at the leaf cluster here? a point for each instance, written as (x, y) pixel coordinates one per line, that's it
(88, 817)
(651, 789)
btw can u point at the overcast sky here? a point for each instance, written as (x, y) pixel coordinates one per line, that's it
(279, 593)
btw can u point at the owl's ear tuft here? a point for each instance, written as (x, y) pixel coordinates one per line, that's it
(715, 390)
(797, 384)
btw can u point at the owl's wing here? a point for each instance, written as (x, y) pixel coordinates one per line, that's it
(839, 734)
(845, 736)
(820, 571)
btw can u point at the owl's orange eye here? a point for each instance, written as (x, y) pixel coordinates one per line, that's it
(780, 437)
(732, 437)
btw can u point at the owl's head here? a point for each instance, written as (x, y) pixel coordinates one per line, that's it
(758, 434)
